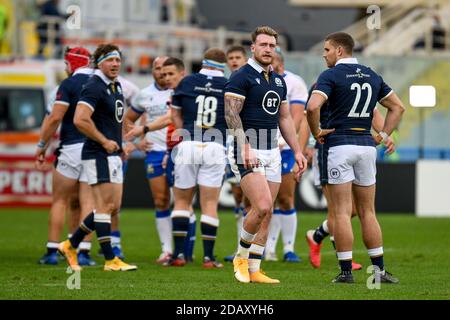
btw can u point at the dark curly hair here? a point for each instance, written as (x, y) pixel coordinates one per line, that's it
(104, 49)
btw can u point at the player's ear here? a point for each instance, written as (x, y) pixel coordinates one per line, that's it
(252, 48)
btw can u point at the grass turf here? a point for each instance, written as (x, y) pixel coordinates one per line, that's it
(416, 251)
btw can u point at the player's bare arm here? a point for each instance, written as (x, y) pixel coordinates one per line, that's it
(160, 123)
(288, 131)
(233, 107)
(393, 116)
(377, 125)
(49, 127)
(313, 115)
(129, 120)
(303, 135)
(297, 115)
(84, 123)
(177, 117)
(297, 111)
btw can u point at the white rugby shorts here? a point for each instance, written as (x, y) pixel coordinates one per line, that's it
(69, 162)
(351, 163)
(199, 163)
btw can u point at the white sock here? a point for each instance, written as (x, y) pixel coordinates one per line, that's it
(288, 229)
(274, 231)
(247, 238)
(164, 227)
(255, 264)
(86, 246)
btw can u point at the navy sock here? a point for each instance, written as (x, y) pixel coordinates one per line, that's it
(378, 261)
(209, 234)
(189, 241)
(346, 266)
(103, 229)
(180, 227)
(320, 234)
(52, 247)
(86, 227)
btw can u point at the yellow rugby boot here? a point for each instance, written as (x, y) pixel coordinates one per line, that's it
(67, 251)
(118, 265)
(260, 277)
(241, 269)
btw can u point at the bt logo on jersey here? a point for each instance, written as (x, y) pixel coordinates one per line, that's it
(271, 102)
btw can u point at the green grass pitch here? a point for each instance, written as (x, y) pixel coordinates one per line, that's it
(416, 251)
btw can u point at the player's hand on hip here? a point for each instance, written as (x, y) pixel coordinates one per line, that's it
(249, 157)
(321, 135)
(111, 146)
(134, 132)
(390, 145)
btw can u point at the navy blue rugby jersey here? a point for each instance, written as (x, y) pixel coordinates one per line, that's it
(200, 97)
(323, 113)
(260, 112)
(68, 94)
(323, 110)
(106, 99)
(353, 91)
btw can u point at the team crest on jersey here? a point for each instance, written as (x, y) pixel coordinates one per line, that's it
(120, 111)
(109, 92)
(358, 74)
(119, 89)
(278, 82)
(258, 80)
(271, 102)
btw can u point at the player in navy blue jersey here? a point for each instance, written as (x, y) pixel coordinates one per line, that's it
(198, 109)
(255, 106)
(99, 115)
(68, 175)
(314, 237)
(236, 58)
(284, 217)
(349, 156)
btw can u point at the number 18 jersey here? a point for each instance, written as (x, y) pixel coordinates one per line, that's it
(200, 97)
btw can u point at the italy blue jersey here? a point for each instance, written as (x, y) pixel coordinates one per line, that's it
(260, 113)
(200, 97)
(105, 98)
(352, 91)
(68, 94)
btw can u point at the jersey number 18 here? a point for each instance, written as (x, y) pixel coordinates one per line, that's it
(206, 111)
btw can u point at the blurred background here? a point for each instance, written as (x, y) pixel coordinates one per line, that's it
(406, 41)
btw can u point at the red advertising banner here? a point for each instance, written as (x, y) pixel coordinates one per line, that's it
(22, 185)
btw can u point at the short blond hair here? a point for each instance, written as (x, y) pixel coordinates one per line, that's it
(264, 30)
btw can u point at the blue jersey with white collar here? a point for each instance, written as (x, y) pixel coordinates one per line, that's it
(260, 112)
(106, 100)
(200, 97)
(68, 94)
(352, 91)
